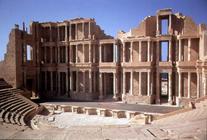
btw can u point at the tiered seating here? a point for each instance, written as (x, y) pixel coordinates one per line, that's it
(15, 108)
(4, 84)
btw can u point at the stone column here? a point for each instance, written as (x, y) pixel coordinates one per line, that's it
(205, 84)
(131, 83)
(59, 83)
(170, 87)
(94, 53)
(131, 52)
(94, 81)
(148, 51)
(124, 82)
(70, 37)
(90, 81)
(170, 51)
(189, 85)
(180, 53)
(148, 83)
(45, 56)
(89, 30)
(114, 85)
(198, 84)
(51, 81)
(170, 24)
(77, 81)
(67, 81)
(58, 49)
(140, 83)
(58, 33)
(76, 51)
(50, 33)
(66, 33)
(140, 51)
(89, 53)
(83, 47)
(100, 54)
(76, 31)
(100, 87)
(45, 81)
(158, 29)
(114, 53)
(123, 53)
(51, 54)
(71, 81)
(84, 81)
(158, 87)
(66, 54)
(179, 84)
(83, 35)
(189, 45)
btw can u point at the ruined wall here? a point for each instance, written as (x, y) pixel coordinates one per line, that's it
(190, 28)
(145, 28)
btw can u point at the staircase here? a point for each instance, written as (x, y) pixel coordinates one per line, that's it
(15, 108)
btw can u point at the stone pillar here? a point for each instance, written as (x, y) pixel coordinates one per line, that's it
(170, 51)
(131, 52)
(94, 53)
(148, 51)
(180, 53)
(89, 30)
(58, 49)
(115, 85)
(76, 51)
(83, 35)
(89, 53)
(66, 33)
(205, 84)
(90, 81)
(131, 83)
(45, 81)
(94, 81)
(70, 37)
(100, 53)
(58, 33)
(124, 82)
(76, 31)
(170, 24)
(51, 81)
(189, 45)
(71, 81)
(67, 81)
(66, 54)
(189, 85)
(114, 53)
(84, 81)
(100, 86)
(45, 56)
(170, 87)
(59, 83)
(51, 54)
(77, 81)
(140, 51)
(50, 33)
(123, 52)
(140, 83)
(198, 84)
(158, 87)
(83, 47)
(179, 84)
(158, 26)
(148, 83)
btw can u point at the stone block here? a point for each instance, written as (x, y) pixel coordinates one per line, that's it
(118, 114)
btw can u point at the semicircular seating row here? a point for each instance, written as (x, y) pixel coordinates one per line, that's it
(15, 108)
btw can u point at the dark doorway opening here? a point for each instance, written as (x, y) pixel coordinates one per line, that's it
(164, 87)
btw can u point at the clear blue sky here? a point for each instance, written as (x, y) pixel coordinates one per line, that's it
(111, 15)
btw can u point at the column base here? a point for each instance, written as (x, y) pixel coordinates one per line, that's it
(100, 97)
